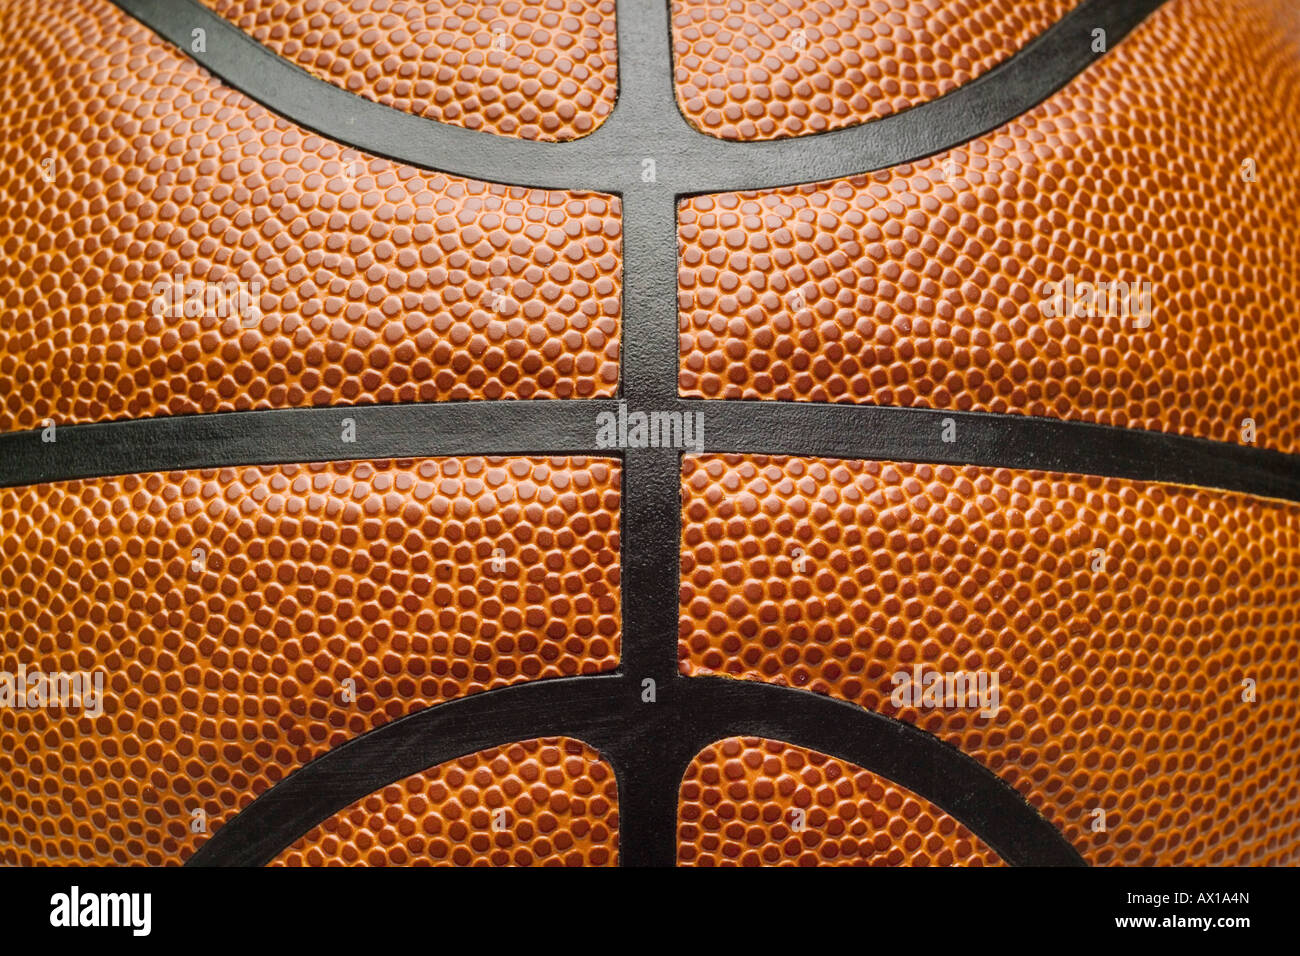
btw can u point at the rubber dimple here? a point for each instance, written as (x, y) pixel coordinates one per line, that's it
(245, 621)
(746, 801)
(543, 70)
(373, 282)
(757, 70)
(546, 802)
(1120, 652)
(927, 284)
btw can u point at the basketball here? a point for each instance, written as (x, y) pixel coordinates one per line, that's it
(650, 433)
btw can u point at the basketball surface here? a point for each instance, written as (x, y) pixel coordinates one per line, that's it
(699, 433)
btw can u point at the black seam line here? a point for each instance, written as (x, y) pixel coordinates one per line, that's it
(567, 427)
(646, 120)
(691, 714)
(1002, 95)
(998, 440)
(584, 708)
(902, 753)
(287, 435)
(645, 123)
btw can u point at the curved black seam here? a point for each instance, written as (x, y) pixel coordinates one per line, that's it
(567, 427)
(700, 712)
(1003, 94)
(579, 707)
(901, 752)
(650, 123)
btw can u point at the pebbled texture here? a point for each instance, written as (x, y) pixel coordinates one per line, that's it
(1120, 689)
(540, 70)
(558, 798)
(755, 69)
(752, 802)
(419, 581)
(381, 283)
(899, 288)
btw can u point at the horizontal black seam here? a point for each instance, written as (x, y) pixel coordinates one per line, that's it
(568, 427)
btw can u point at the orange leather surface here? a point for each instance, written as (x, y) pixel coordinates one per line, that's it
(756, 69)
(380, 283)
(416, 581)
(541, 69)
(248, 620)
(545, 802)
(904, 288)
(1121, 689)
(752, 802)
